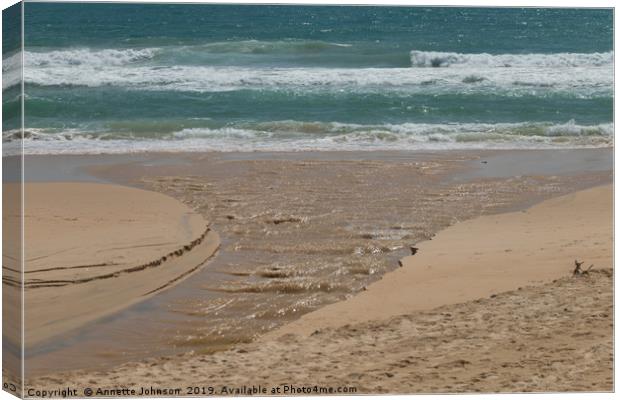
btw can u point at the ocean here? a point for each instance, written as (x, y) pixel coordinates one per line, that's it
(121, 78)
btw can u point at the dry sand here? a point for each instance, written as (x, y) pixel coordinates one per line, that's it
(93, 249)
(554, 336)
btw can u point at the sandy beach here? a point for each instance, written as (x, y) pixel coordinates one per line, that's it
(93, 249)
(462, 314)
(302, 274)
(482, 257)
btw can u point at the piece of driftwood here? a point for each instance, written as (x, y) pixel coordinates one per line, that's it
(581, 272)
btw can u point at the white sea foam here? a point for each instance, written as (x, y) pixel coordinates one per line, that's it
(577, 75)
(11, 70)
(583, 74)
(295, 135)
(87, 57)
(555, 60)
(590, 81)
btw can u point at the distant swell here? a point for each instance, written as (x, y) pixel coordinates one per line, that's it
(118, 57)
(446, 59)
(268, 47)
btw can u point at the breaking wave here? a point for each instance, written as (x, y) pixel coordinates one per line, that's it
(188, 68)
(556, 60)
(297, 135)
(557, 81)
(11, 70)
(87, 57)
(590, 82)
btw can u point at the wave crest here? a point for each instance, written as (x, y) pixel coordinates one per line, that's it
(591, 81)
(269, 47)
(422, 59)
(90, 57)
(11, 70)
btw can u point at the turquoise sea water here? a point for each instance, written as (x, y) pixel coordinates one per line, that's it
(144, 77)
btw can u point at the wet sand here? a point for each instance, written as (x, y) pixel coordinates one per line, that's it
(299, 231)
(551, 333)
(93, 249)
